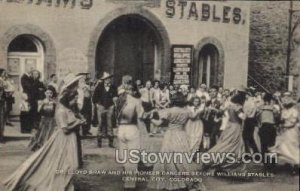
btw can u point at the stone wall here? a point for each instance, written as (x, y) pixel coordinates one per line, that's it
(268, 44)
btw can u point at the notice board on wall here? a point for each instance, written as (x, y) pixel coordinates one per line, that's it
(181, 66)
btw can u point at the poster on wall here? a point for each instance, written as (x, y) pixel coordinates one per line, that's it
(182, 59)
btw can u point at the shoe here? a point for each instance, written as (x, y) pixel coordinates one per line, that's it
(88, 133)
(99, 142)
(9, 124)
(111, 143)
(129, 189)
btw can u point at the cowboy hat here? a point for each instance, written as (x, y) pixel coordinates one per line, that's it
(69, 80)
(105, 76)
(241, 88)
(288, 101)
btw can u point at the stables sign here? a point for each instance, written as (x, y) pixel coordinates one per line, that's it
(204, 11)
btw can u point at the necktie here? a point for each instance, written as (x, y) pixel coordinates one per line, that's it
(149, 96)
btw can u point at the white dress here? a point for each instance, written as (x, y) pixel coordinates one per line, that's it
(194, 130)
(287, 144)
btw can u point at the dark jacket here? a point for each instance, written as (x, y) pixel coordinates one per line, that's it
(103, 97)
(26, 83)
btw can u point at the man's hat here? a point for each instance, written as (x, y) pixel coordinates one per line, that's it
(268, 97)
(242, 88)
(288, 101)
(106, 75)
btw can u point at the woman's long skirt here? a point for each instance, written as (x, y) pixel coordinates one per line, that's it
(287, 147)
(46, 129)
(194, 130)
(230, 141)
(175, 141)
(48, 169)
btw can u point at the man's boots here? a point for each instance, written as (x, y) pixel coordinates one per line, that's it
(99, 140)
(111, 142)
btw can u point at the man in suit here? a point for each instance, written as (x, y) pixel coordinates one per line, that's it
(213, 116)
(27, 86)
(104, 95)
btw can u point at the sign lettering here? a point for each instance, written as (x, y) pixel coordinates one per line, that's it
(197, 10)
(181, 64)
(83, 4)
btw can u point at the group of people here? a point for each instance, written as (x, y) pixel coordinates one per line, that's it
(7, 100)
(214, 120)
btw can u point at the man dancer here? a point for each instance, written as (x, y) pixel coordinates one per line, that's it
(128, 111)
(103, 98)
(213, 118)
(147, 101)
(250, 109)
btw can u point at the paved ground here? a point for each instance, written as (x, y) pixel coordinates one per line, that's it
(15, 151)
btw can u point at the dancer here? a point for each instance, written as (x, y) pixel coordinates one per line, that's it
(231, 140)
(48, 168)
(129, 110)
(287, 144)
(194, 127)
(47, 124)
(250, 123)
(175, 141)
(267, 132)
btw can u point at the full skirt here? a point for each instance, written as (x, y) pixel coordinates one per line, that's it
(194, 130)
(46, 129)
(287, 146)
(230, 141)
(48, 169)
(175, 141)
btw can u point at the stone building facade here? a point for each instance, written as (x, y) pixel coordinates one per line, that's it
(269, 41)
(136, 37)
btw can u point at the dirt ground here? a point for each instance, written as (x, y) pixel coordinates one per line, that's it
(15, 151)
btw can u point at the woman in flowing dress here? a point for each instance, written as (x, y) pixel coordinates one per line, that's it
(231, 140)
(194, 127)
(175, 141)
(287, 143)
(47, 124)
(51, 167)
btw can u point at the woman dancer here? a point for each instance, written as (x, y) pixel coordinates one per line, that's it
(50, 168)
(47, 124)
(231, 140)
(287, 144)
(175, 141)
(194, 127)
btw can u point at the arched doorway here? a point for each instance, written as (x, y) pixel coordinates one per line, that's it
(24, 52)
(208, 65)
(129, 45)
(209, 60)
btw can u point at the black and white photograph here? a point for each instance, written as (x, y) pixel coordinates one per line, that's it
(149, 95)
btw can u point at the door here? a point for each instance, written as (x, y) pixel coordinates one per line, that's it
(24, 52)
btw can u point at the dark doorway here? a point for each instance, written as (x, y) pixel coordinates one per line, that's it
(207, 67)
(128, 45)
